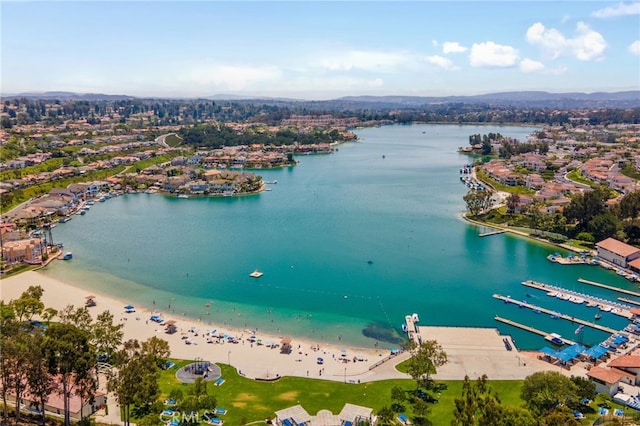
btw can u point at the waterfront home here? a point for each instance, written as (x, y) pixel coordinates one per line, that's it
(28, 250)
(617, 252)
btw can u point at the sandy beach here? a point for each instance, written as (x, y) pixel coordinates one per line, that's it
(251, 359)
(471, 351)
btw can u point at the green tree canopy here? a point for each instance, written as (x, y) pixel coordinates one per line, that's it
(544, 391)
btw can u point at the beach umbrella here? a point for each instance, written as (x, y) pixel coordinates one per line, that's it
(128, 307)
(320, 360)
(90, 297)
(344, 352)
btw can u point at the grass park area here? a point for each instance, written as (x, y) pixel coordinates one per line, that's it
(173, 140)
(247, 400)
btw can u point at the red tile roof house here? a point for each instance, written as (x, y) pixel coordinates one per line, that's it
(606, 380)
(55, 405)
(617, 252)
(629, 364)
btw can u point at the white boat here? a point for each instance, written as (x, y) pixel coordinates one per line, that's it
(67, 256)
(183, 196)
(256, 274)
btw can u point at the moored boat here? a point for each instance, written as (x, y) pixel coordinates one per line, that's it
(67, 256)
(555, 338)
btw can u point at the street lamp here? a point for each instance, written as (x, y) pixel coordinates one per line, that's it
(345, 374)
(229, 358)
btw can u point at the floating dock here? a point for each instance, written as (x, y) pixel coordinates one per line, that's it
(559, 315)
(608, 287)
(620, 309)
(530, 329)
(631, 302)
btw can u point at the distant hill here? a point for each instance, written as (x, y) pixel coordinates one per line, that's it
(63, 96)
(524, 99)
(520, 99)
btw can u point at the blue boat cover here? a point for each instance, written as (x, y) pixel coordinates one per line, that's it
(596, 352)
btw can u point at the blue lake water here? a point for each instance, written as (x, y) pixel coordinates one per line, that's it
(349, 241)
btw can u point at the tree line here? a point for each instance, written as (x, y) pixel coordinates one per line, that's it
(219, 135)
(61, 357)
(588, 217)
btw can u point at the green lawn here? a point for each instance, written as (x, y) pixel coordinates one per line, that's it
(247, 400)
(173, 140)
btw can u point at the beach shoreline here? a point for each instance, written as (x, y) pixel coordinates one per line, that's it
(339, 363)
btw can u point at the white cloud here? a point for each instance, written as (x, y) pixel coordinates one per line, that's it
(452, 47)
(550, 40)
(442, 62)
(587, 45)
(634, 48)
(492, 55)
(621, 9)
(529, 65)
(364, 60)
(233, 77)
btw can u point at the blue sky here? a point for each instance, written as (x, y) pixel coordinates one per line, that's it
(319, 50)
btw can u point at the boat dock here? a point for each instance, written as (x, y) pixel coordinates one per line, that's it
(631, 302)
(412, 328)
(496, 232)
(613, 307)
(608, 287)
(530, 329)
(559, 315)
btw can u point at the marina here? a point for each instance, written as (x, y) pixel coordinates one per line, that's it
(566, 317)
(579, 298)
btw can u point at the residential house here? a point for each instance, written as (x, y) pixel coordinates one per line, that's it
(29, 251)
(629, 364)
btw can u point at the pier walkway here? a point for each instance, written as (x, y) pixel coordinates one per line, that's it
(530, 329)
(486, 234)
(559, 315)
(613, 307)
(629, 301)
(608, 287)
(412, 330)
